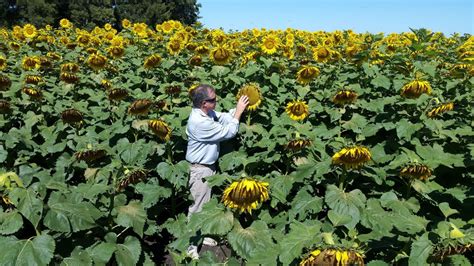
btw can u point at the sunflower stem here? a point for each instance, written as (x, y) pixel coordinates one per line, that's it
(342, 178)
(248, 119)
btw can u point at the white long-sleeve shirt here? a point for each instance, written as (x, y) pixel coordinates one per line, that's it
(205, 132)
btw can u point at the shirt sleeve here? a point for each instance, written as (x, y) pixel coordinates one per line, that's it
(225, 118)
(211, 131)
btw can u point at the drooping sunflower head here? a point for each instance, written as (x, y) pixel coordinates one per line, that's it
(3, 63)
(33, 79)
(4, 107)
(334, 257)
(90, 155)
(416, 171)
(160, 128)
(195, 60)
(352, 157)
(442, 108)
(31, 62)
(152, 61)
(173, 89)
(5, 82)
(175, 45)
(297, 110)
(69, 77)
(322, 54)
(97, 61)
(252, 90)
(70, 67)
(221, 55)
(116, 51)
(344, 97)
(117, 94)
(140, 107)
(132, 177)
(71, 116)
(245, 195)
(298, 144)
(306, 74)
(415, 88)
(34, 93)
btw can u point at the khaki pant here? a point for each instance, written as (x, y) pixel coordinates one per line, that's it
(200, 190)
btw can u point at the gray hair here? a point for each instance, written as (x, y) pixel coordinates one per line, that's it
(200, 94)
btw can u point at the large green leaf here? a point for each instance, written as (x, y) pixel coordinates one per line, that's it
(129, 252)
(176, 174)
(343, 203)
(10, 222)
(37, 250)
(420, 250)
(301, 236)
(28, 204)
(132, 215)
(66, 214)
(78, 257)
(304, 205)
(248, 242)
(152, 192)
(214, 219)
(102, 252)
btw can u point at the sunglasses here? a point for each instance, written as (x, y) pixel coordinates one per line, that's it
(213, 100)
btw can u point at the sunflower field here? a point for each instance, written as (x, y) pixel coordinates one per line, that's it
(356, 148)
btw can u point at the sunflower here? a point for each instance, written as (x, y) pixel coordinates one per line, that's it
(140, 107)
(71, 116)
(445, 107)
(202, 49)
(126, 24)
(4, 107)
(195, 60)
(3, 63)
(333, 257)
(69, 67)
(297, 110)
(30, 62)
(441, 252)
(322, 54)
(152, 61)
(306, 74)
(174, 46)
(173, 89)
(416, 171)
(5, 82)
(344, 97)
(33, 79)
(415, 88)
(221, 55)
(65, 23)
(29, 31)
(33, 93)
(133, 177)
(252, 90)
(90, 155)
(297, 144)
(352, 157)
(167, 26)
(116, 51)
(106, 84)
(160, 128)
(117, 94)
(270, 44)
(97, 61)
(69, 77)
(245, 194)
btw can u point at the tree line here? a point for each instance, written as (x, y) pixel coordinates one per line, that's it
(90, 13)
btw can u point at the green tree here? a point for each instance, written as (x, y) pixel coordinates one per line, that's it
(36, 12)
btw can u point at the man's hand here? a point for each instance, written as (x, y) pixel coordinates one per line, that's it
(241, 105)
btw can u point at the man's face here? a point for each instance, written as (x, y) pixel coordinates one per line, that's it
(210, 102)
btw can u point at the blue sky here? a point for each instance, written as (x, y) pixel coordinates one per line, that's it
(447, 16)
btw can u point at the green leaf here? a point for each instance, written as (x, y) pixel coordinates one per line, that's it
(214, 219)
(129, 252)
(405, 129)
(300, 236)
(176, 174)
(152, 192)
(346, 203)
(132, 215)
(376, 218)
(38, 250)
(381, 81)
(10, 222)
(356, 124)
(65, 214)
(377, 263)
(420, 250)
(250, 70)
(446, 210)
(78, 257)
(27, 204)
(304, 204)
(338, 219)
(102, 252)
(275, 79)
(251, 240)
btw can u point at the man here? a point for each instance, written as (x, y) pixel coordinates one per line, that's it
(206, 128)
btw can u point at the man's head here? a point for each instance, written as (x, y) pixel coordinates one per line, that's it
(204, 97)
